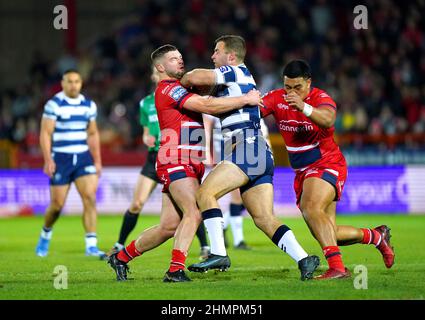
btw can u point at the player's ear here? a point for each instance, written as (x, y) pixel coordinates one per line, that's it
(232, 56)
(160, 67)
(308, 83)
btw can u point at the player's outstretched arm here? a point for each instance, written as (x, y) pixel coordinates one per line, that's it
(215, 106)
(198, 77)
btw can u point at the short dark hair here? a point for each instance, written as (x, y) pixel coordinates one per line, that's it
(70, 71)
(297, 68)
(158, 53)
(234, 43)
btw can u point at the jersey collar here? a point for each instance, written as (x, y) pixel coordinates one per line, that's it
(169, 80)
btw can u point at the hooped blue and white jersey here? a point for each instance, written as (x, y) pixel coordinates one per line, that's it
(72, 116)
(234, 81)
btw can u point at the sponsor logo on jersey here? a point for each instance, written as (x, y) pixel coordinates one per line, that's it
(177, 92)
(283, 106)
(250, 140)
(153, 118)
(225, 69)
(295, 126)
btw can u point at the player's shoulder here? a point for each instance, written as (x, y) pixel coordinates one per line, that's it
(150, 98)
(225, 68)
(165, 86)
(57, 98)
(274, 93)
(170, 91)
(320, 93)
(55, 102)
(241, 70)
(86, 101)
(319, 97)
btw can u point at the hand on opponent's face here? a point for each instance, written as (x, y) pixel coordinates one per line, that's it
(295, 101)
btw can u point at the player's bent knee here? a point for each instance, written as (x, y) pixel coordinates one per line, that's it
(56, 205)
(167, 231)
(310, 207)
(136, 206)
(203, 198)
(89, 199)
(194, 216)
(200, 195)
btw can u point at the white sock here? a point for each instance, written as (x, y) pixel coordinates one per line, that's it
(285, 239)
(237, 229)
(91, 239)
(46, 234)
(226, 217)
(119, 246)
(213, 220)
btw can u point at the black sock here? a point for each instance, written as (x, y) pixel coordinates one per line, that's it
(200, 233)
(236, 209)
(46, 229)
(128, 224)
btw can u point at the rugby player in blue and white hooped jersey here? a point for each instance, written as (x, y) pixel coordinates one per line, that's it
(247, 162)
(232, 216)
(69, 140)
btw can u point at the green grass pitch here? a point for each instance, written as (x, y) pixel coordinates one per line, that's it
(263, 273)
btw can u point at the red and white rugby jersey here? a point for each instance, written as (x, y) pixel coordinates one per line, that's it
(305, 141)
(182, 130)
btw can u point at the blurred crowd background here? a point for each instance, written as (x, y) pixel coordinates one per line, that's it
(376, 75)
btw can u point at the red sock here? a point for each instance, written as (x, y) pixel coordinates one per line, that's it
(178, 258)
(333, 256)
(129, 253)
(371, 236)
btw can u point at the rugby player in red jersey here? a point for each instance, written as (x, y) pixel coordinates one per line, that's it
(179, 163)
(305, 117)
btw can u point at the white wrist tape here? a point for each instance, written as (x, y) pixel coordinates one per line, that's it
(308, 109)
